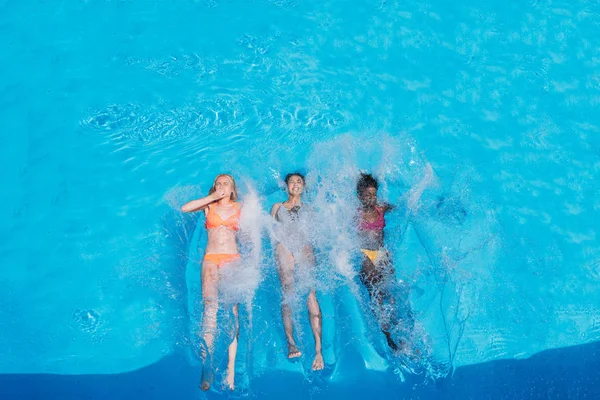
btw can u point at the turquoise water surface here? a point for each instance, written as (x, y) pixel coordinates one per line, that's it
(115, 113)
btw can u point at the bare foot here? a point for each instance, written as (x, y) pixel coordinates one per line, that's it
(318, 363)
(229, 379)
(293, 351)
(207, 378)
(207, 373)
(390, 342)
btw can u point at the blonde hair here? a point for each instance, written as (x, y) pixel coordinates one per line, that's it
(234, 193)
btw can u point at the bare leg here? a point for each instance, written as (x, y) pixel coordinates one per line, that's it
(210, 277)
(285, 268)
(375, 278)
(232, 351)
(314, 313)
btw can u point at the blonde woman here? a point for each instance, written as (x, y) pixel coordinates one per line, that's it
(222, 224)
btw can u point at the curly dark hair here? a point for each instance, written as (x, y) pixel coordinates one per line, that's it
(289, 176)
(366, 181)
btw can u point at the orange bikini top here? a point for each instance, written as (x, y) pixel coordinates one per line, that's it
(214, 220)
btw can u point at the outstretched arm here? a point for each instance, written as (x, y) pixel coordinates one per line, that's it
(388, 207)
(200, 204)
(409, 202)
(415, 193)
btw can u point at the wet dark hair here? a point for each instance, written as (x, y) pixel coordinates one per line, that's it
(366, 181)
(289, 176)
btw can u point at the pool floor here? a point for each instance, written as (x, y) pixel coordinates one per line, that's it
(568, 373)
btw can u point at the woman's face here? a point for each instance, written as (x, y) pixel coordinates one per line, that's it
(295, 185)
(368, 197)
(223, 186)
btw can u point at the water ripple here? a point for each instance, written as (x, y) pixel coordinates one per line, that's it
(86, 320)
(112, 118)
(213, 116)
(173, 65)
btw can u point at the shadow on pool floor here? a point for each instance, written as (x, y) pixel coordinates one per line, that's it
(567, 373)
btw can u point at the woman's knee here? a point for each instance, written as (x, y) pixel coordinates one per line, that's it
(211, 306)
(286, 277)
(287, 299)
(313, 304)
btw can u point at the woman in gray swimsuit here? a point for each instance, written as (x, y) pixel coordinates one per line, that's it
(293, 248)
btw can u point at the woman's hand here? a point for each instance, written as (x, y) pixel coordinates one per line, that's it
(218, 195)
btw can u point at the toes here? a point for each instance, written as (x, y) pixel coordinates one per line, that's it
(294, 354)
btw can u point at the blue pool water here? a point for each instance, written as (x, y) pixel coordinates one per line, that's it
(114, 113)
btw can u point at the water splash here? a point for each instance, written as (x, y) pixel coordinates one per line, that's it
(443, 282)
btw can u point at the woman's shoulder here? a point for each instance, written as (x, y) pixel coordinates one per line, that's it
(384, 207)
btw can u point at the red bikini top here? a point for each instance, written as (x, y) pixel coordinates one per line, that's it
(376, 225)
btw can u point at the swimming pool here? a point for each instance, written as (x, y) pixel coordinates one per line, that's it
(116, 112)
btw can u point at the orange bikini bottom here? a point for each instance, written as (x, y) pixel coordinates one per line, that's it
(221, 259)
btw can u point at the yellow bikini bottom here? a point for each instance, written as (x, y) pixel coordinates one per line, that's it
(374, 255)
